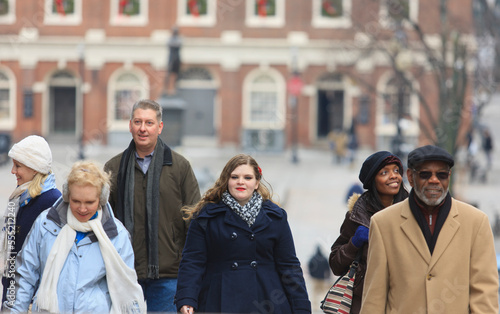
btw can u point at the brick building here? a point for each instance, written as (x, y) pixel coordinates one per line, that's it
(71, 67)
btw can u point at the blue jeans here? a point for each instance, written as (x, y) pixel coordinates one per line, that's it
(159, 294)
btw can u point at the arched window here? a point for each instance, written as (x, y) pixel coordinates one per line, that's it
(398, 106)
(126, 94)
(396, 102)
(7, 101)
(4, 97)
(265, 107)
(125, 88)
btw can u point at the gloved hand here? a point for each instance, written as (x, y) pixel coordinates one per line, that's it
(360, 236)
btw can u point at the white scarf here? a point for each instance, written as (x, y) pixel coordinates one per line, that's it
(124, 290)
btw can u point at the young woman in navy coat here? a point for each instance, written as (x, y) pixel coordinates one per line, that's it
(239, 255)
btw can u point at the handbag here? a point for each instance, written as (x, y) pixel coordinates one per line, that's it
(338, 299)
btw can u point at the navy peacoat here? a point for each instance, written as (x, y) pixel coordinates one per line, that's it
(229, 267)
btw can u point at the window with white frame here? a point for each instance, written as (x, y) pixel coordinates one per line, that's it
(331, 13)
(126, 88)
(398, 106)
(196, 12)
(7, 11)
(264, 103)
(398, 11)
(7, 101)
(129, 12)
(396, 98)
(265, 13)
(63, 12)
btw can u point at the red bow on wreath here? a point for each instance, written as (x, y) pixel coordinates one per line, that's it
(193, 7)
(60, 7)
(123, 3)
(262, 7)
(329, 8)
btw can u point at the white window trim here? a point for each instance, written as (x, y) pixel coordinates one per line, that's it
(390, 129)
(281, 100)
(10, 123)
(9, 18)
(387, 22)
(253, 20)
(319, 21)
(56, 19)
(120, 125)
(123, 20)
(208, 20)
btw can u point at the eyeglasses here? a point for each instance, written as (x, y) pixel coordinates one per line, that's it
(426, 175)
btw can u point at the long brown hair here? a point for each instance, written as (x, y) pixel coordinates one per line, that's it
(214, 194)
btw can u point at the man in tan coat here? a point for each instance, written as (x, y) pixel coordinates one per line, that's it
(430, 253)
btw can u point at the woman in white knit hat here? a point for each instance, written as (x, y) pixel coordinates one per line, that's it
(36, 191)
(78, 257)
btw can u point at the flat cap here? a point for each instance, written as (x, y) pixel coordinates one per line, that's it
(429, 153)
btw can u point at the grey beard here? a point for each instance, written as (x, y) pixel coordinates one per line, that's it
(429, 202)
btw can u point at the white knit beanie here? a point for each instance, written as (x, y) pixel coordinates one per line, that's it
(34, 152)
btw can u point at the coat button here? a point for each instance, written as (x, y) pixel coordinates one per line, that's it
(252, 237)
(253, 264)
(234, 235)
(235, 265)
(429, 276)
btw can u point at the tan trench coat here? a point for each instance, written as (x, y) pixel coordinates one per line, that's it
(403, 277)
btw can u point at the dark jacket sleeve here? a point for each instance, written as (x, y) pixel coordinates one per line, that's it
(288, 267)
(111, 167)
(343, 252)
(192, 267)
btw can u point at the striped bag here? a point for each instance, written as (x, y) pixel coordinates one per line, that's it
(339, 297)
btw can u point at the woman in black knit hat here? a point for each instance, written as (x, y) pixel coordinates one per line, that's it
(382, 177)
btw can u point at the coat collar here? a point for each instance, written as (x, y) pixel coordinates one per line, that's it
(412, 230)
(268, 211)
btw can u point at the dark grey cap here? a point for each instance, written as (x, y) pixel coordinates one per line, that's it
(429, 153)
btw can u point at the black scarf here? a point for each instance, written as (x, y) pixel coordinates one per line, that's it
(419, 216)
(125, 201)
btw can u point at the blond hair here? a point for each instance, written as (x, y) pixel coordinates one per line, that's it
(36, 185)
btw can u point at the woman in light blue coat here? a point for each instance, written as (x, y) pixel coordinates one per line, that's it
(78, 258)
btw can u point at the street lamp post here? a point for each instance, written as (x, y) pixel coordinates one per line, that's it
(401, 85)
(81, 68)
(293, 105)
(294, 87)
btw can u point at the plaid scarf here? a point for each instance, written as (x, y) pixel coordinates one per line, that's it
(249, 211)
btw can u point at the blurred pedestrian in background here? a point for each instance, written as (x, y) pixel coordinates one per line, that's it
(239, 255)
(382, 177)
(78, 257)
(319, 270)
(355, 188)
(338, 144)
(430, 253)
(488, 147)
(35, 192)
(149, 185)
